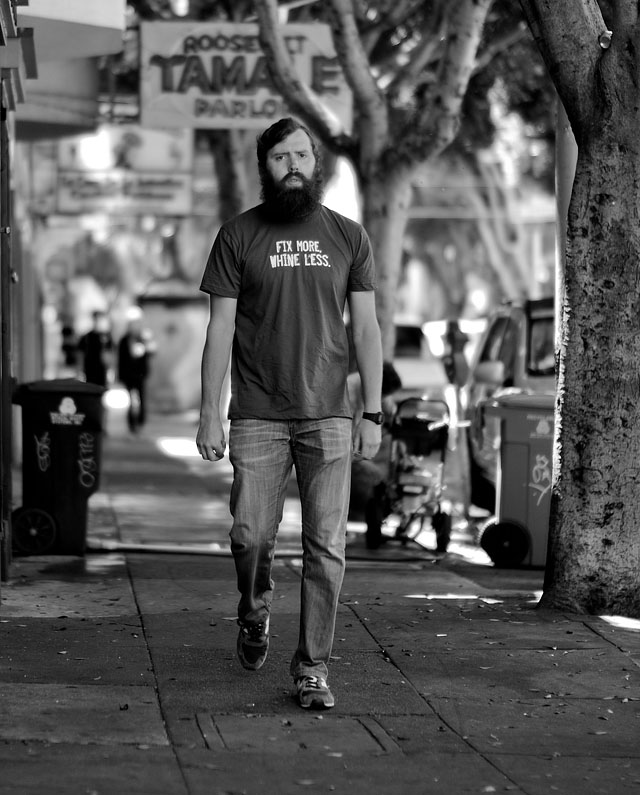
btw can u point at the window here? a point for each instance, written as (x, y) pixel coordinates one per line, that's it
(409, 340)
(491, 349)
(501, 346)
(541, 347)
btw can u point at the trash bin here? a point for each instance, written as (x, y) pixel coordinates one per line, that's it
(62, 423)
(519, 533)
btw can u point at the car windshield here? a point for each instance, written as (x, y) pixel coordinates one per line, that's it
(541, 356)
(501, 345)
(409, 340)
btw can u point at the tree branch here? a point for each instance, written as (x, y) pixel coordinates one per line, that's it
(500, 45)
(296, 92)
(435, 123)
(421, 57)
(567, 36)
(368, 99)
(398, 14)
(152, 9)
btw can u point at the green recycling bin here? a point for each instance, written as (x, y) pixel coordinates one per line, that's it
(518, 535)
(62, 422)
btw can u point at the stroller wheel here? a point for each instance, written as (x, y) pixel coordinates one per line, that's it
(411, 526)
(441, 523)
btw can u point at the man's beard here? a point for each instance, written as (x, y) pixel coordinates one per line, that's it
(291, 204)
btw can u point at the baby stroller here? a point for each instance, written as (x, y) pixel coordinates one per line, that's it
(420, 433)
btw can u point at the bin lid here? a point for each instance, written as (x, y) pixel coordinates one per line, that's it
(58, 385)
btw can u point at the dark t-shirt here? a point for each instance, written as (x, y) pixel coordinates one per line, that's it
(133, 360)
(290, 350)
(96, 348)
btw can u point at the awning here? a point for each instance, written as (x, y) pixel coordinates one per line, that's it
(17, 56)
(62, 101)
(74, 28)
(68, 38)
(7, 21)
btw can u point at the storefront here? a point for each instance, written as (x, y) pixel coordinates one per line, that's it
(48, 78)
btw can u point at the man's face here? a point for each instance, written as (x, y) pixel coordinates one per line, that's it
(289, 159)
(292, 178)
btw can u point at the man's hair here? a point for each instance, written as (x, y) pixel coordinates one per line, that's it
(278, 132)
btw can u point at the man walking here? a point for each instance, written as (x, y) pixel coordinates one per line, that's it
(98, 351)
(279, 277)
(135, 349)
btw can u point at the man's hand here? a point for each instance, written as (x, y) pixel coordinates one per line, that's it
(210, 439)
(367, 438)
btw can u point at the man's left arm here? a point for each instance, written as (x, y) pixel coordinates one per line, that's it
(368, 350)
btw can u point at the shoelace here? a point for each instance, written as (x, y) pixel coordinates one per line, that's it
(254, 632)
(313, 683)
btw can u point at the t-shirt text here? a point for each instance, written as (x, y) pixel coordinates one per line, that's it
(307, 253)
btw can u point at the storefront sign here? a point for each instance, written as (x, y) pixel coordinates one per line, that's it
(215, 75)
(124, 169)
(124, 193)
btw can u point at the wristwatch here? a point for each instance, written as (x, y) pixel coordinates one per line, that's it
(373, 416)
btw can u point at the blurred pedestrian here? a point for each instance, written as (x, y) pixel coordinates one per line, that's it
(454, 359)
(135, 349)
(69, 346)
(97, 351)
(370, 477)
(279, 276)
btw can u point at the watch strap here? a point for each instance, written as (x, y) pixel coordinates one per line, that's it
(373, 416)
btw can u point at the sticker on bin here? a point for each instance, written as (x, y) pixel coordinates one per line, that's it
(544, 425)
(67, 413)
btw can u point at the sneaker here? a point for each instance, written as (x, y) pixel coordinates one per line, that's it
(253, 645)
(313, 693)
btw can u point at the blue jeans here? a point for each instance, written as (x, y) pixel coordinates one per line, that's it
(263, 453)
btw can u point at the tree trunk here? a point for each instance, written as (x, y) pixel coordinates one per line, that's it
(227, 149)
(593, 562)
(386, 200)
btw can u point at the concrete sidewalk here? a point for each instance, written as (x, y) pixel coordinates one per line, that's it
(118, 671)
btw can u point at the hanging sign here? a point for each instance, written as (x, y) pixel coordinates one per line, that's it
(215, 75)
(123, 169)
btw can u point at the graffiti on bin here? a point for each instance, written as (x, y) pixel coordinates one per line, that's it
(87, 460)
(43, 451)
(541, 477)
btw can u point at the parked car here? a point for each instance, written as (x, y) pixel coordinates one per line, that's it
(419, 370)
(419, 351)
(515, 354)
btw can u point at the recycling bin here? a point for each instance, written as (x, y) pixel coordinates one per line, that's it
(62, 422)
(519, 533)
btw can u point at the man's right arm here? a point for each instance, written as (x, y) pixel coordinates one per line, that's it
(210, 439)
